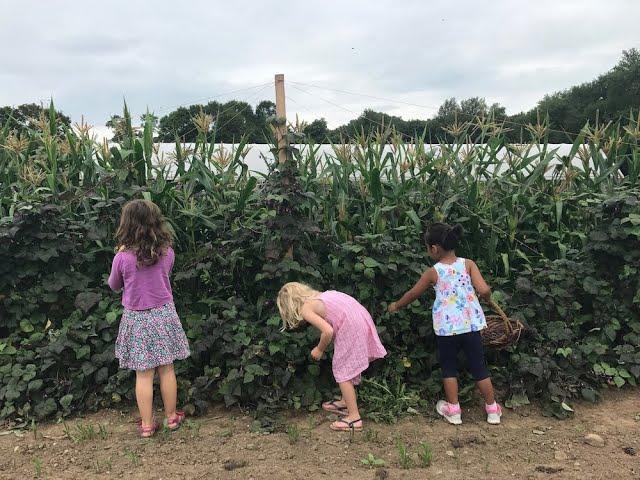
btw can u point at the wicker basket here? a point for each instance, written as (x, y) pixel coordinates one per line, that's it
(501, 330)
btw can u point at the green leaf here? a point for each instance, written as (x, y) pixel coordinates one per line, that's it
(517, 400)
(414, 216)
(45, 408)
(111, 317)
(83, 352)
(65, 401)
(25, 326)
(370, 262)
(35, 385)
(86, 300)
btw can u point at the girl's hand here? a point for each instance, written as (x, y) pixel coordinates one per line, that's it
(316, 354)
(393, 307)
(122, 248)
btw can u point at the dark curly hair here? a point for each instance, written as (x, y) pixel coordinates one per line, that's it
(444, 235)
(143, 230)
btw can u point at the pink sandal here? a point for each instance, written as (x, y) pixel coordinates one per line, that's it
(147, 432)
(174, 422)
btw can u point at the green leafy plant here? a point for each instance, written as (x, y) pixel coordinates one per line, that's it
(293, 433)
(132, 456)
(425, 454)
(404, 456)
(83, 433)
(386, 403)
(194, 427)
(372, 462)
(37, 466)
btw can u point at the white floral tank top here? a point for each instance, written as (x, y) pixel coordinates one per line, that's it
(456, 309)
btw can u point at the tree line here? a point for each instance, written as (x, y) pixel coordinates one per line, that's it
(611, 96)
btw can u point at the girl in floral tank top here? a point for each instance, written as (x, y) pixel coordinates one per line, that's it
(457, 318)
(456, 309)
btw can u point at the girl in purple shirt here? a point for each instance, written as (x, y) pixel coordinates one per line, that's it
(150, 337)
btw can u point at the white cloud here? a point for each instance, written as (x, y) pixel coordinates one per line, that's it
(90, 55)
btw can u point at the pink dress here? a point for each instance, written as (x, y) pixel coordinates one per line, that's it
(355, 339)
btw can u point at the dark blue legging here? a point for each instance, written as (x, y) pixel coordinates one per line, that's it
(471, 344)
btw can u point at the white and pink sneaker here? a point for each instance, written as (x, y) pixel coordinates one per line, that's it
(450, 412)
(494, 412)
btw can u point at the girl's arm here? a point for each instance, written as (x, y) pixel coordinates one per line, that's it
(115, 278)
(428, 279)
(482, 289)
(326, 330)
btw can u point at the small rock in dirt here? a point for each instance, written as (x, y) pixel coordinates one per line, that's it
(450, 453)
(548, 469)
(16, 449)
(381, 474)
(630, 451)
(538, 432)
(262, 457)
(233, 464)
(560, 456)
(594, 440)
(250, 446)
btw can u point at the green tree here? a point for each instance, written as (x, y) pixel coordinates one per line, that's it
(265, 109)
(26, 116)
(473, 107)
(318, 130)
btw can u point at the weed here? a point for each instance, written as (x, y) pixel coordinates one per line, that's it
(82, 433)
(132, 456)
(193, 427)
(404, 457)
(37, 465)
(293, 432)
(371, 461)
(102, 467)
(34, 429)
(387, 403)
(102, 432)
(371, 435)
(163, 434)
(226, 433)
(312, 422)
(425, 453)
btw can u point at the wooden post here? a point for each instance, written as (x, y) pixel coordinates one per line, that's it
(281, 116)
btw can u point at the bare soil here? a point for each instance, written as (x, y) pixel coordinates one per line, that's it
(221, 445)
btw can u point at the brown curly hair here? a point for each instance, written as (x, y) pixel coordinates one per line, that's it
(143, 230)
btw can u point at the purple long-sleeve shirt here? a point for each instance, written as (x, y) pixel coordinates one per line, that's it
(144, 287)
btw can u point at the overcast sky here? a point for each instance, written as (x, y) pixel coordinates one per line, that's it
(90, 55)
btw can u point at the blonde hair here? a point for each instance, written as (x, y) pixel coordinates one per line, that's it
(291, 298)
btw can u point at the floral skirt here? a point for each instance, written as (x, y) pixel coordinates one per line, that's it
(150, 338)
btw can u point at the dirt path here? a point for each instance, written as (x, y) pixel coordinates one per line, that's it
(221, 446)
